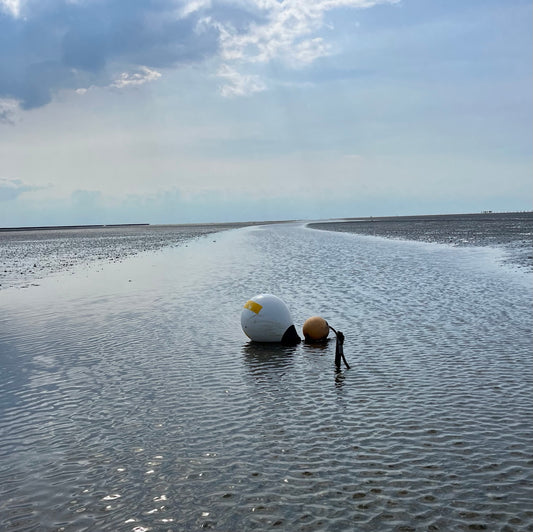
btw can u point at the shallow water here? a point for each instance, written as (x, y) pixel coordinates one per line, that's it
(131, 400)
(511, 232)
(26, 256)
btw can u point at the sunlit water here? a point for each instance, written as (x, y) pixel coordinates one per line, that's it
(131, 400)
(26, 256)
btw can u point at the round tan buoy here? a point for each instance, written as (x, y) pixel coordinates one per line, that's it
(315, 329)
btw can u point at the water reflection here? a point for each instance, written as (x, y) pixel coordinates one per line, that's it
(320, 349)
(339, 378)
(273, 360)
(265, 359)
(318, 346)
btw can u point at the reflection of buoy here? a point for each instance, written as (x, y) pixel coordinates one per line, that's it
(266, 318)
(315, 329)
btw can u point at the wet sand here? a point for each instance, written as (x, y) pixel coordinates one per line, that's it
(511, 232)
(131, 399)
(30, 254)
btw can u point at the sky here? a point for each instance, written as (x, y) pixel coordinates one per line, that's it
(174, 111)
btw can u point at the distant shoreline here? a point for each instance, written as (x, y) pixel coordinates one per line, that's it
(61, 227)
(421, 217)
(106, 226)
(403, 217)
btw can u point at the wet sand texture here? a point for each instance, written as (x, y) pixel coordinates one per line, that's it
(130, 398)
(511, 232)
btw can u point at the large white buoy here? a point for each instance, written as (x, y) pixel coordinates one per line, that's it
(266, 318)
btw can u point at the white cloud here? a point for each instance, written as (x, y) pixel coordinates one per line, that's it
(307, 51)
(125, 80)
(60, 45)
(8, 110)
(289, 34)
(192, 6)
(10, 6)
(141, 76)
(238, 84)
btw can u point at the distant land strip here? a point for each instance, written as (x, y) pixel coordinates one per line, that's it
(61, 227)
(489, 215)
(218, 225)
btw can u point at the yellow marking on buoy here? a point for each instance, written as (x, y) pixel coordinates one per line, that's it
(253, 306)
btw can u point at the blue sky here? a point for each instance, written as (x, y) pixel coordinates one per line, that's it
(169, 111)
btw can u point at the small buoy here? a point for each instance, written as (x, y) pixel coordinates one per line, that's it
(315, 329)
(266, 318)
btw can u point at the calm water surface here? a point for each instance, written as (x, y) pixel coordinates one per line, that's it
(26, 256)
(132, 401)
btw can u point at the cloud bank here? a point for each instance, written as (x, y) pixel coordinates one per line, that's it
(12, 188)
(52, 45)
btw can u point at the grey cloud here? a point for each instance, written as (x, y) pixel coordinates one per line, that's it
(64, 44)
(56, 44)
